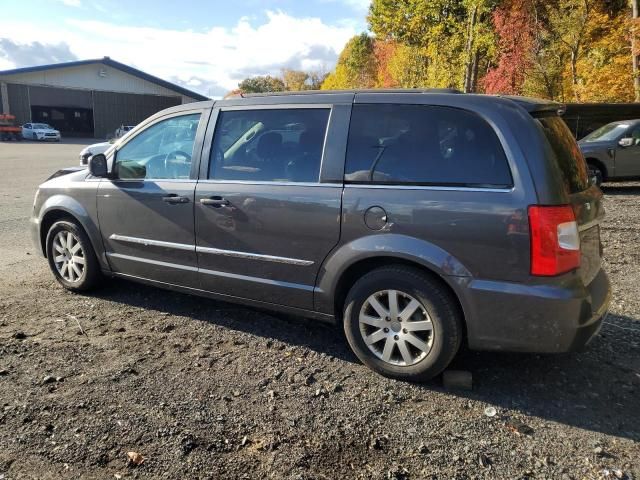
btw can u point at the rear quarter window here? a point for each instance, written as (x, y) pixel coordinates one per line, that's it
(566, 152)
(423, 145)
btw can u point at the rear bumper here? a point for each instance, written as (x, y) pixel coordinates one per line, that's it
(535, 318)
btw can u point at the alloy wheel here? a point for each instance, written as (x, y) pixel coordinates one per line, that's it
(69, 257)
(396, 327)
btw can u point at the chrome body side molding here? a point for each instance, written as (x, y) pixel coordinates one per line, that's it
(211, 251)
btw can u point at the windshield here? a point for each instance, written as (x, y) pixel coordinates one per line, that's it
(41, 126)
(606, 133)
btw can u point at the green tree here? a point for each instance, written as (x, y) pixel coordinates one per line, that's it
(261, 84)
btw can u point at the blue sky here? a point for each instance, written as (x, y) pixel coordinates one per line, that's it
(207, 46)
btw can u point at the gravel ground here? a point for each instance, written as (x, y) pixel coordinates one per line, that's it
(203, 389)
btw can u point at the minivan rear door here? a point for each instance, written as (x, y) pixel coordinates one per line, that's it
(585, 199)
(268, 202)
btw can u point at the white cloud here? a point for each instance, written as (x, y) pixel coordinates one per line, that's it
(360, 6)
(71, 3)
(222, 56)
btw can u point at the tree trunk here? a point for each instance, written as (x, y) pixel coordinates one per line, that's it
(635, 13)
(574, 72)
(474, 71)
(469, 54)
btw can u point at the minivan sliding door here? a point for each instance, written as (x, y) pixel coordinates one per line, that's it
(265, 218)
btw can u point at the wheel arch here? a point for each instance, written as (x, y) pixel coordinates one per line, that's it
(49, 218)
(342, 269)
(61, 207)
(600, 164)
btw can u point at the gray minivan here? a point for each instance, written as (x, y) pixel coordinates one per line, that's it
(417, 219)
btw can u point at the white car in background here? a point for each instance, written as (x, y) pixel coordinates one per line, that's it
(102, 147)
(40, 131)
(89, 151)
(123, 129)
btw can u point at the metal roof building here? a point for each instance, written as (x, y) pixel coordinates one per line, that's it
(87, 97)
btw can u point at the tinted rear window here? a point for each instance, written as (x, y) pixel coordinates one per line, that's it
(269, 145)
(423, 145)
(567, 153)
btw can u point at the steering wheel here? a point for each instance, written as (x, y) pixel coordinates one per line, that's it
(172, 164)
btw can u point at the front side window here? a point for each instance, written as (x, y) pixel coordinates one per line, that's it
(423, 145)
(162, 151)
(269, 145)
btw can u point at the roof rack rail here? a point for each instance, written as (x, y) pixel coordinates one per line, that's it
(368, 90)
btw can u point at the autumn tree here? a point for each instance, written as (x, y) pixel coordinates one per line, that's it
(606, 75)
(566, 50)
(455, 35)
(384, 53)
(635, 53)
(514, 25)
(294, 80)
(356, 67)
(409, 67)
(568, 19)
(317, 78)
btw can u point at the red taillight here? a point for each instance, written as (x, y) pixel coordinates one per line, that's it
(555, 242)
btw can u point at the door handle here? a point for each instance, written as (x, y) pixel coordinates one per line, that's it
(173, 198)
(216, 202)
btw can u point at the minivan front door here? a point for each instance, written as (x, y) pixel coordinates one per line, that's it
(264, 220)
(146, 210)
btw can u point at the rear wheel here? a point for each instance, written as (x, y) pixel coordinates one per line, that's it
(71, 256)
(596, 175)
(402, 323)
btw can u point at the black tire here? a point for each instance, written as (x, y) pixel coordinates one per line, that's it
(436, 301)
(596, 175)
(91, 273)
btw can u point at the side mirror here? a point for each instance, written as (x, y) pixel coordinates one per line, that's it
(98, 165)
(626, 142)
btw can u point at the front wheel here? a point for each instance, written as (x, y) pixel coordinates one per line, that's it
(402, 323)
(71, 256)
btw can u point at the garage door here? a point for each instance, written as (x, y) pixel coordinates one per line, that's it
(59, 97)
(114, 109)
